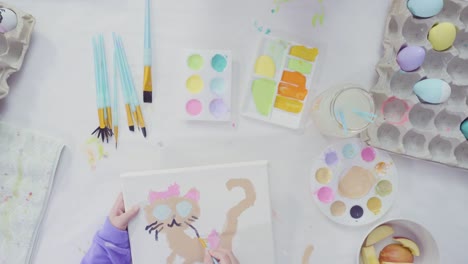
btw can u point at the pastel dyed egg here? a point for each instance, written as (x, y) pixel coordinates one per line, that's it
(425, 8)
(442, 35)
(464, 128)
(411, 58)
(433, 91)
(8, 20)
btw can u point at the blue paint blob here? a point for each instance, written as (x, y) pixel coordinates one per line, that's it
(349, 151)
(331, 158)
(217, 86)
(356, 212)
(162, 212)
(184, 208)
(219, 63)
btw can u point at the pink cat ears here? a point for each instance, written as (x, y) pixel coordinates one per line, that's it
(173, 191)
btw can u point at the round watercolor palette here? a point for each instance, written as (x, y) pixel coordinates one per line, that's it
(354, 184)
(207, 93)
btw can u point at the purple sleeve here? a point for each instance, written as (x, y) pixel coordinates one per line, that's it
(110, 246)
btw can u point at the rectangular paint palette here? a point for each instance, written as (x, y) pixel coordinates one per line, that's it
(281, 82)
(207, 80)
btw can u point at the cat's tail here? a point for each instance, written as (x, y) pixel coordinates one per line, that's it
(230, 227)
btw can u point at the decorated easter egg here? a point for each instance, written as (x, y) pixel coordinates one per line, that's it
(411, 58)
(433, 91)
(425, 8)
(442, 35)
(464, 128)
(8, 20)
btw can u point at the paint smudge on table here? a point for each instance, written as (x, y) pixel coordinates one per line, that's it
(307, 254)
(319, 17)
(95, 151)
(261, 29)
(278, 4)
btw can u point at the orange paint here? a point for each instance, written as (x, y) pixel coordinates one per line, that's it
(292, 91)
(295, 78)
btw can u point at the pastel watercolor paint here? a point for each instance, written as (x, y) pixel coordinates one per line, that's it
(285, 70)
(350, 190)
(207, 93)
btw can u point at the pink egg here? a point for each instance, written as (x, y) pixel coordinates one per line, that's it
(411, 58)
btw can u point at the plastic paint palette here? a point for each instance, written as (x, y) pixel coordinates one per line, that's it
(280, 85)
(354, 184)
(208, 85)
(407, 125)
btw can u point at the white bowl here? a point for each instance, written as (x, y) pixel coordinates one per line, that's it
(409, 229)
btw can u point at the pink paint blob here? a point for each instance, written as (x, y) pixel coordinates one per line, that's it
(368, 154)
(326, 195)
(172, 191)
(193, 107)
(213, 240)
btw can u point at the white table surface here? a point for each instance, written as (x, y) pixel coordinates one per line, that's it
(54, 93)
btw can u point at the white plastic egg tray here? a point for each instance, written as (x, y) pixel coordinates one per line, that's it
(13, 46)
(404, 124)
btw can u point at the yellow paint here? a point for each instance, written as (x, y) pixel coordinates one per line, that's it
(102, 121)
(141, 121)
(303, 52)
(147, 80)
(194, 84)
(129, 115)
(265, 66)
(323, 175)
(442, 36)
(288, 105)
(375, 205)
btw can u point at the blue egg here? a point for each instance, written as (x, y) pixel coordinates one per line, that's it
(433, 91)
(425, 8)
(464, 128)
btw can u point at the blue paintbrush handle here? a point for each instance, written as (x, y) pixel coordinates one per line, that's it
(147, 49)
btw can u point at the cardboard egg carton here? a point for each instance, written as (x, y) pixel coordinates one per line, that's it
(405, 125)
(13, 46)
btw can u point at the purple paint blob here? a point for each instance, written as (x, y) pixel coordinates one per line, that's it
(356, 212)
(325, 195)
(331, 158)
(368, 154)
(218, 108)
(193, 107)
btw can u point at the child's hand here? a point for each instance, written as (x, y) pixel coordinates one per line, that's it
(222, 255)
(118, 217)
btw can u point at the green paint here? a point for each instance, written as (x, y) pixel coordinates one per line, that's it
(384, 188)
(300, 66)
(195, 62)
(318, 17)
(263, 92)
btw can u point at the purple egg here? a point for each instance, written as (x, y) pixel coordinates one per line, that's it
(411, 58)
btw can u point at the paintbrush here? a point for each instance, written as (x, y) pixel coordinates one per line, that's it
(115, 116)
(133, 95)
(102, 131)
(105, 85)
(205, 245)
(147, 57)
(128, 83)
(129, 108)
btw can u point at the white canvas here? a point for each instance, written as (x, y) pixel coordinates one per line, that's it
(253, 240)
